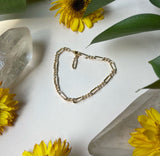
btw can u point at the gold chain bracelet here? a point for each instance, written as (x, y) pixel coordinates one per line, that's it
(74, 66)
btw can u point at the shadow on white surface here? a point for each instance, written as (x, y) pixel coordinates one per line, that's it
(136, 42)
(77, 151)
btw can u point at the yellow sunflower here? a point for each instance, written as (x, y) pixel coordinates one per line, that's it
(7, 108)
(146, 140)
(59, 148)
(72, 11)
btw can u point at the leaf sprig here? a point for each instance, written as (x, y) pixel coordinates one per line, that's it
(156, 66)
(133, 25)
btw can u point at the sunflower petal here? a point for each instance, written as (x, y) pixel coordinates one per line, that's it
(54, 2)
(55, 7)
(7, 108)
(146, 140)
(81, 26)
(25, 153)
(62, 18)
(153, 114)
(88, 22)
(141, 152)
(58, 12)
(67, 20)
(75, 24)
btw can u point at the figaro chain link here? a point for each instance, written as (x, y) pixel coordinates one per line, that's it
(74, 66)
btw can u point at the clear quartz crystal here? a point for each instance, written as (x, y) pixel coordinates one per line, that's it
(113, 140)
(15, 53)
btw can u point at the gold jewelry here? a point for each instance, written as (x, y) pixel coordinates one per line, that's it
(74, 66)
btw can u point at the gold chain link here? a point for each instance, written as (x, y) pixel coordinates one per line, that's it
(74, 66)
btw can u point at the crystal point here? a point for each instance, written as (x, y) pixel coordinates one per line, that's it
(15, 53)
(113, 140)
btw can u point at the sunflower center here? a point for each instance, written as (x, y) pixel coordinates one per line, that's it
(77, 5)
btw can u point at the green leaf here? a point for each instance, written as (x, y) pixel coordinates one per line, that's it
(155, 85)
(96, 4)
(11, 6)
(156, 65)
(156, 3)
(132, 25)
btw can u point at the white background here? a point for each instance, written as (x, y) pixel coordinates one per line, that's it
(43, 115)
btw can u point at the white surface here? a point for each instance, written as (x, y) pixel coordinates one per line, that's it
(44, 115)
